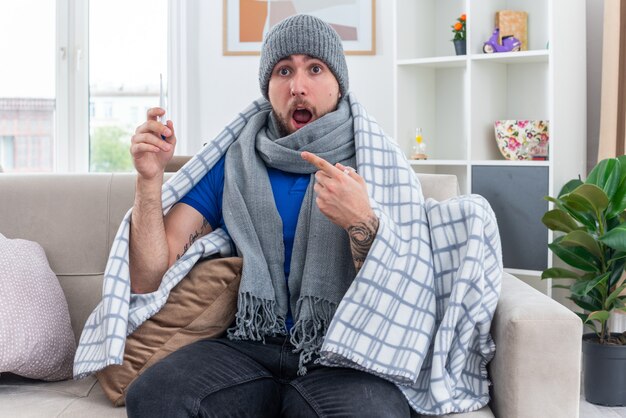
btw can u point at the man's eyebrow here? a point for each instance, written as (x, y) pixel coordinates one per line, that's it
(287, 59)
(310, 58)
(306, 58)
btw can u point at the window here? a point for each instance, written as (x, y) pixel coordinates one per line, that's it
(79, 69)
(125, 60)
(27, 85)
(7, 153)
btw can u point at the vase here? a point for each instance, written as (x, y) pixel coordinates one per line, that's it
(459, 46)
(522, 139)
(604, 372)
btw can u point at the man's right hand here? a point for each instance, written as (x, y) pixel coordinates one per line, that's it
(149, 151)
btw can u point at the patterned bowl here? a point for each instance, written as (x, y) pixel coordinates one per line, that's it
(522, 139)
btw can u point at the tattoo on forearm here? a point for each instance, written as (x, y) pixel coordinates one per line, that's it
(362, 236)
(193, 237)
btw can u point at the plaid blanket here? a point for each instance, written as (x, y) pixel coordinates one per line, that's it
(419, 311)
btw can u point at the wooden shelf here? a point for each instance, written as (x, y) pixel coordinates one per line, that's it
(436, 62)
(508, 163)
(438, 162)
(519, 57)
(522, 272)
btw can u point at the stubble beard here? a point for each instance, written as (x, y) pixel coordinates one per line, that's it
(283, 120)
(283, 128)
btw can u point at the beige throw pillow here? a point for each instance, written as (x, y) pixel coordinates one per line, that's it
(202, 305)
(36, 338)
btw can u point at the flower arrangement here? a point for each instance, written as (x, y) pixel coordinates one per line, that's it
(459, 28)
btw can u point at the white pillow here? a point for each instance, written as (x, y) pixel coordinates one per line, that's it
(36, 338)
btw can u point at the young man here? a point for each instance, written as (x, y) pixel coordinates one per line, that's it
(301, 243)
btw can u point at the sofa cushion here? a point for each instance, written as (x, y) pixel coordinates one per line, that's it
(202, 305)
(66, 214)
(83, 293)
(439, 186)
(21, 397)
(36, 338)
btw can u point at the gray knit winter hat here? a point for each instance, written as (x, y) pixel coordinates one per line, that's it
(303, 34)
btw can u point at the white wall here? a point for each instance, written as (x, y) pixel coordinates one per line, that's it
(220, 86)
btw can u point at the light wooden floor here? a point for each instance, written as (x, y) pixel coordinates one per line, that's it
(589, 410)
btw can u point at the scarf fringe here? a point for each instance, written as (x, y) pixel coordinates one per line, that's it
(307, 335)
(256, 318)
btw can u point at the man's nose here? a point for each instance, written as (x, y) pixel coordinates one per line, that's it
(298, 84)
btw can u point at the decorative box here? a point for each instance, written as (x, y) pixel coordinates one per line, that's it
(513, 23)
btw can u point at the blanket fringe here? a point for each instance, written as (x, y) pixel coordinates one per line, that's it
(307, 334)
(256, 318)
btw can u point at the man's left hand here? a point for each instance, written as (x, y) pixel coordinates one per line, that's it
(341, 192)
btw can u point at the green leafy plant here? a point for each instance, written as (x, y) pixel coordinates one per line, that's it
(590, 219)
(459, 28)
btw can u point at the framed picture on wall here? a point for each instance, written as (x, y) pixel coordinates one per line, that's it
(246, 21)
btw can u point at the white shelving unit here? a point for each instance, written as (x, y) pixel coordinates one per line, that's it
(456, 100)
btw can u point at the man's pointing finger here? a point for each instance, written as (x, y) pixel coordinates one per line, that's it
(320, 163)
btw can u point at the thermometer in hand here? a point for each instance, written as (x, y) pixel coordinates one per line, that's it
(162, 101)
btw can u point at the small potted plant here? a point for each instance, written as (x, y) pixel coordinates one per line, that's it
(459, 35)
(590, 220)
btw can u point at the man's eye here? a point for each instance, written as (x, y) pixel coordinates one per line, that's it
(283, 71)
(316, 69)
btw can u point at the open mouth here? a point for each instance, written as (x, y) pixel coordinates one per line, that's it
(301, 117)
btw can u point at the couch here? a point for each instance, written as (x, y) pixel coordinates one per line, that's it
(535, 372)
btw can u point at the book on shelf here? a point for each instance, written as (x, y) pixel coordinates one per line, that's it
(513, 23)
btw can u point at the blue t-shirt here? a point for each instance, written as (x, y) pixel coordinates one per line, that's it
(288, 190)
(206, 196)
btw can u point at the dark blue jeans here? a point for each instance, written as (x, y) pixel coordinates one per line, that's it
(222, 378)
